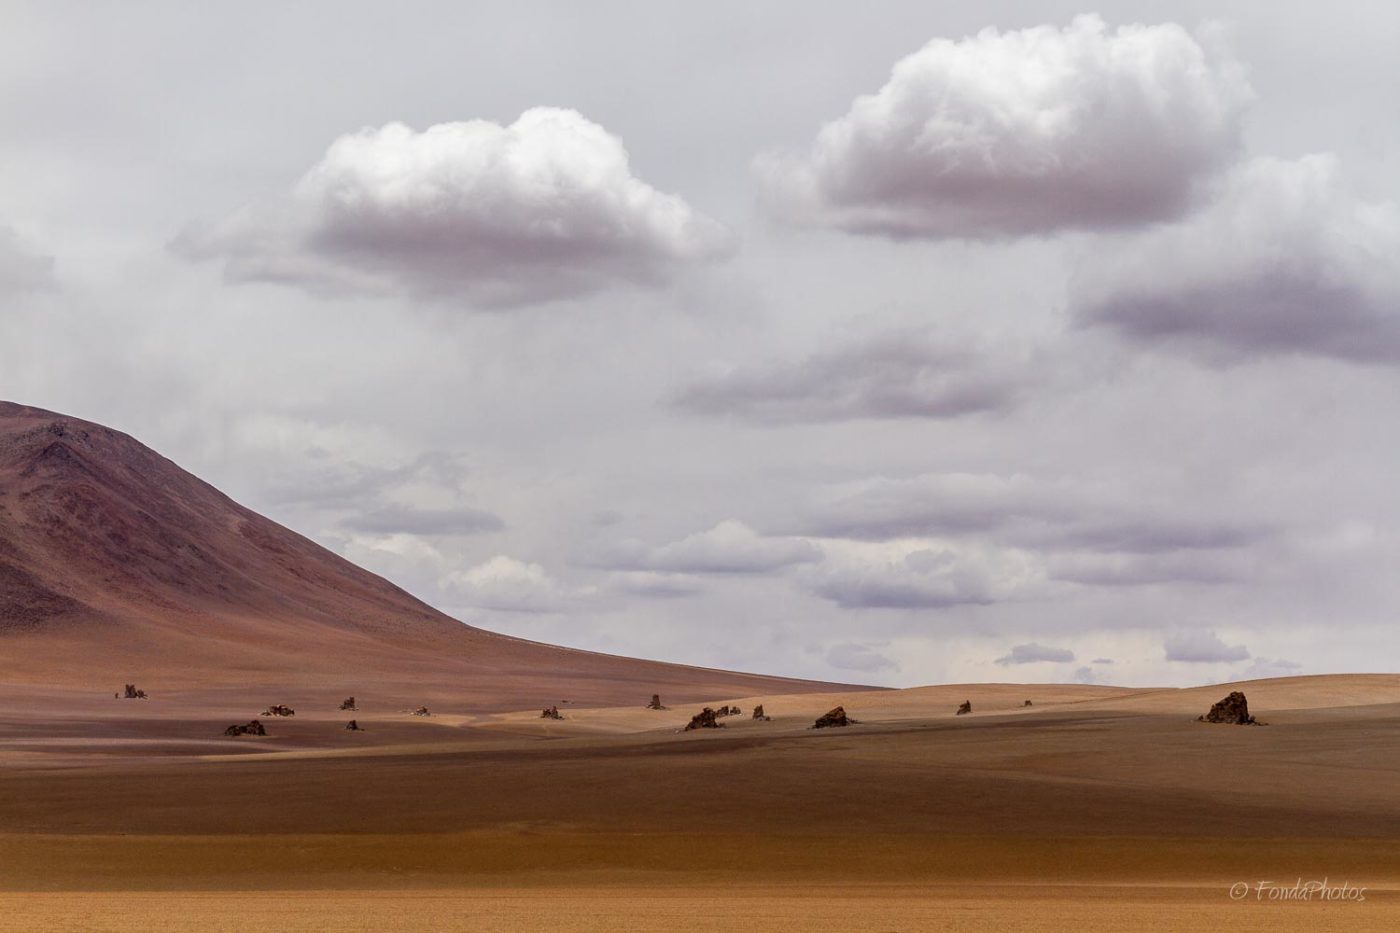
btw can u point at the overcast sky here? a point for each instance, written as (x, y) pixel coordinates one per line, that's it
(897, 343)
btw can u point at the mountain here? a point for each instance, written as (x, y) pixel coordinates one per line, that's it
(118, 566)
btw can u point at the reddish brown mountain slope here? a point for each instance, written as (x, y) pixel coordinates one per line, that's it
(117, 565)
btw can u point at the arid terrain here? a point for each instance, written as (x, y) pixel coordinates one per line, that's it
(1093, 806)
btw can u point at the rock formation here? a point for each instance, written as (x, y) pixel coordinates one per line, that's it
(353, 726)
(1027, 703)
(705, 719)
(655, 702)
(1234, 709)
(348, 703)
(279, 710)
(965, 708)
(422, 711)
(759, 714)
(551, 713)
(252, 728)
(133, 694)
(836, 717)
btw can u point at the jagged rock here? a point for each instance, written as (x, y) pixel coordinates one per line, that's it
(353, 726)
(422, 711)
(279, 710)
(705, 719)
(1234, 710)
(551, 713)
(965, 708)
(1027, 703)
(133, 694)
(348, 703)
(655, 702)
(836, 717)
(252, 728)
(758, 713)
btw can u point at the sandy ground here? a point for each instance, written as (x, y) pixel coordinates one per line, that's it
(1096, 807)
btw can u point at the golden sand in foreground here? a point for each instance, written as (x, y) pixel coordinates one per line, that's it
(988, 907)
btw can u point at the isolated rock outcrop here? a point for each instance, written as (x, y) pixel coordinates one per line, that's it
(353, 726)
(655, 702)
(279, 710)
(705, 719)
(252, 728)
(759, 714)
(1027, 703)
(551, 713)
(965, 708)
(421, 711)
(133, 694)
(836, 717)
(348, 703)
(1234, 710)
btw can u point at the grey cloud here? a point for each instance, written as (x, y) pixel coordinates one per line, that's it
(926, 578)
(892, 376)
(490, 215)
(653, 585)
(22, 268)
(1024, 132)
(1284, 263)
(1101, 661)
(1033, 653)
(506, 584)
(1261, 668)
(1201, 647)
(394, 519)
(731, 547)
(851, 656)
(1110, 569)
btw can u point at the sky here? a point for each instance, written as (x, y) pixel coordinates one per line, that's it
(894, 344)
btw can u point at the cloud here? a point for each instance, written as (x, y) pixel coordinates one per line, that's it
(391, 519)
(1033, 653)
(653, 585)
(1202, 648)
(22, 268)
(891, 376)
(916, 575)
(496, 216)
(1204, 566)
(1262, 668)
(509, 585)
(1028, 512)
(1023, 132)
(731, 547)
(1085, 675)
(850, 656)
(1284, 263)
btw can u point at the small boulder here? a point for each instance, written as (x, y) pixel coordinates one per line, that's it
(422, 711)
(759, 714)
(132, 693)
(1234, 710)
(348, 703)
(551, 713)
(279, 710)
(252, 728)
(965, 708)
(655, 702)
(836, 717)
(1027, 703)
(705, 719)
(353, 726)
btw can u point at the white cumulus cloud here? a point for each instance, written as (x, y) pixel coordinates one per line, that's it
(1024, 132)
(544, 208)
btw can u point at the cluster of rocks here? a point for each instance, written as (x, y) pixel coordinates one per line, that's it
(705, 719)
(656, 702)
(349, 703)
(727, 710)
(1027, 703)
(551, 713)
(421, 711)
(132, 693)
(252, 728)
(965, 708)
(759, 715)
(1234, 710)
(279, 710)
(834, 718)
